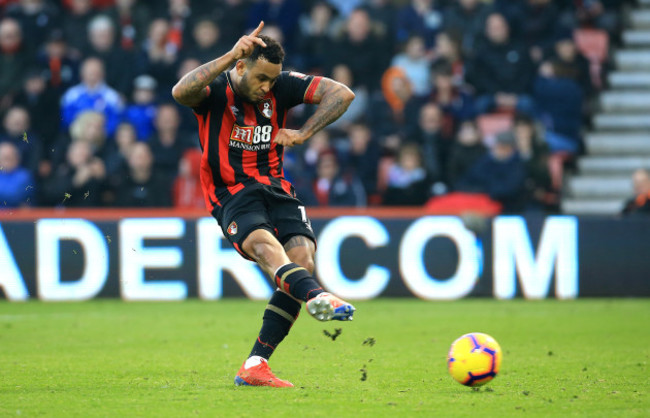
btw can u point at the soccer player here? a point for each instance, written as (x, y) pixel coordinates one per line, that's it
(241, 111)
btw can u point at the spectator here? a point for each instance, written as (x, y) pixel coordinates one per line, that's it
(207, 46)
(315, 41)
(457, 103)
(415, 64)
(180, 16)
(345, 7)
(465, 20)
(42, 104)
(501, 174)
(58, 63)
(88, 126)
(331, 187)
(16, 183)
(603, 14)
(390, 112)
(188, 119)
(79, 181)
(464, 152)
(407, 179)
(317, 145)
(640, 203)
(37, 19)
(14, 60)
(359, 107)
(539, 26)
(167, 143)
(187, 192)
(75, 24)
(362, 159)
(448, 50)
(501, 70)
(384, 15)
(539, 191)
(361, 50)
(560, 105)
(231, 16)
(92, 94)
(101, 34)
(429, 136)
(17, 130)
(569, 63)
(117, 154)
(159, 54)
(142, 186)
(131, 18)
(419, 17)
(142, 113)
(281, 13)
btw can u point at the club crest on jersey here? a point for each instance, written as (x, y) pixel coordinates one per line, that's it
(266, 108)
(232, 228)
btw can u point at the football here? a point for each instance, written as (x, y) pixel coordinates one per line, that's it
(474, 359)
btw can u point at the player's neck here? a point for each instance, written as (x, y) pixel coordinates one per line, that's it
(234, 78)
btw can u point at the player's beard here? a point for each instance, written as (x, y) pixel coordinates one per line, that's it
(245, 90)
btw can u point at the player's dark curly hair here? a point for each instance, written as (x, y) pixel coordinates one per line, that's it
(273, 53)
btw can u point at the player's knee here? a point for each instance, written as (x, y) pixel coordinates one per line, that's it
(260, 250)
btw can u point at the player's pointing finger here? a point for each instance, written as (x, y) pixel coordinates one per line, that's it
(258, 29)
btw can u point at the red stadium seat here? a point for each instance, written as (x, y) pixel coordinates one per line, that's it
(594, 45)
(492, 124)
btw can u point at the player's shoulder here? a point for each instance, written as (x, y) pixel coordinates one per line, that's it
(220, 83)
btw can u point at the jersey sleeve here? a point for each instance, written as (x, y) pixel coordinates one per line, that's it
(216, 93)
(296, 88)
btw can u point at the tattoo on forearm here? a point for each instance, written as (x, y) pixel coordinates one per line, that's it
(331, 107)
(196, 80)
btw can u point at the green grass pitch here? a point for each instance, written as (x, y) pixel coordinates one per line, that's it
(110, 358)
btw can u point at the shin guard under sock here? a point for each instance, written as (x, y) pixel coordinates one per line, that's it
(279, 316)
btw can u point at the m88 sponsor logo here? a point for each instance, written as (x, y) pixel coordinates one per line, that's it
(251, 134)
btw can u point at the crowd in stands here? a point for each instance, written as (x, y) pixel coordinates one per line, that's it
(88, 119)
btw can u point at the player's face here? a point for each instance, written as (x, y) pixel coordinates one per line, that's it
(258, 79)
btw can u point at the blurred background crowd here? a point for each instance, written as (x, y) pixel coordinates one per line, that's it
(458, 102)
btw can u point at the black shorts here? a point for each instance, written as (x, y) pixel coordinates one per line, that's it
(264, 207)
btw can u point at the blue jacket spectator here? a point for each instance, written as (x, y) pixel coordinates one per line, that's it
(419, 18)
(281, 13)
(559, 101)
(92, 94)
(501, 174)
(16, 130)
(16, 183)
(142, 113)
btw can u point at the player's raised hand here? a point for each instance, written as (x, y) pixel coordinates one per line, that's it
(289, 137)
(245, 45)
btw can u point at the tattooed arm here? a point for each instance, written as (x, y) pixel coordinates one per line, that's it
(191, 89)
(333, 99)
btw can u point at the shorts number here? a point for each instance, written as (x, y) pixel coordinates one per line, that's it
(262, 134)
(303, 214)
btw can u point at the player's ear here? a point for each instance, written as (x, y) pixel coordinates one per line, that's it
(240, 66)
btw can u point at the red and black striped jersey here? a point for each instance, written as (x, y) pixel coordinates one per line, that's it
(236, 136)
